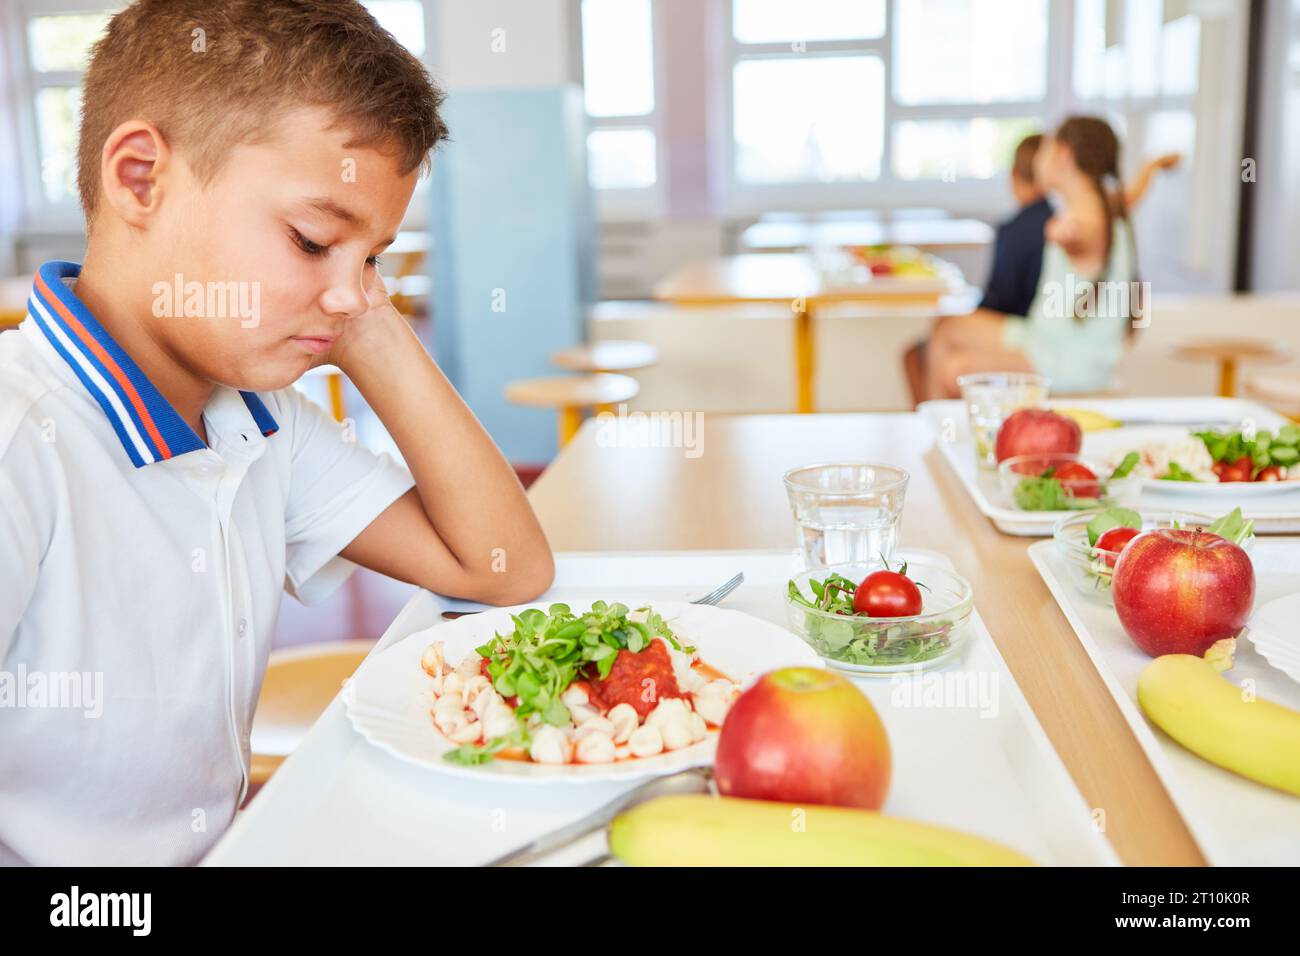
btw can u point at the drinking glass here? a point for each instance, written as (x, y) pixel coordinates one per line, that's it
(846, 511)
(990, 399)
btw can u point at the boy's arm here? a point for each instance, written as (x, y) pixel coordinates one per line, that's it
(466, 529)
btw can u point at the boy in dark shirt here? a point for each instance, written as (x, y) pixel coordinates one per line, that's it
(1017, 256)
(1018, 246)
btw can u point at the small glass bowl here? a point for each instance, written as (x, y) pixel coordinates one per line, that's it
(1089, 568)
(886, 645)
(1114, 492)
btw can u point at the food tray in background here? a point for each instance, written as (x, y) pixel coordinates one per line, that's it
(1273, 513)
(1235, 821)
(972, 757)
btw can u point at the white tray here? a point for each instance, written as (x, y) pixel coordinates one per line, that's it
(1236, 821)
(1273, 513)
(338, 800)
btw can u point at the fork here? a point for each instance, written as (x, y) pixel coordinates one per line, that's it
(713, 597)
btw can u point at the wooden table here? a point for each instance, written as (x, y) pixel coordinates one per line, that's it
(14, 293)
(728, 495)
(793, 279)
(938, 234)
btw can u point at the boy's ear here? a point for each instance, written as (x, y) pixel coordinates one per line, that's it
(131, 165)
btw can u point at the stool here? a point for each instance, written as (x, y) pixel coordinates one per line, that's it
(1229, 353)
(1278, 390)
(334, 380)
(300, 683)
(610, 355)
(570, 394)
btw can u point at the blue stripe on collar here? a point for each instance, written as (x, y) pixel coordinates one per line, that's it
(147, 425)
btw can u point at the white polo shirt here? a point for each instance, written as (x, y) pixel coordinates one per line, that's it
(141, 573)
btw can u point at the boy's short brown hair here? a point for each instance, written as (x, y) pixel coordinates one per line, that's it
(211, 74)
(1022, 166)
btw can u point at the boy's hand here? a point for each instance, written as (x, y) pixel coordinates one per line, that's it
(369, 335)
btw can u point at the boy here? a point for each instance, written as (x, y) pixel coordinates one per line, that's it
(1017, 257)
(161, 480)
(1018, 245)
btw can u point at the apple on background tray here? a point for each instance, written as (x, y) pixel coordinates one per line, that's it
(1038, 431)
(804, 735)
(1178, 591)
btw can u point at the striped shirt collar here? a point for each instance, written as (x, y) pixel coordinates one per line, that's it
(149, 428)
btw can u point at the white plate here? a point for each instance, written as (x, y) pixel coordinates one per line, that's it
(389, 699)
(1228, 491)
(1111, 445)
(1274, 632)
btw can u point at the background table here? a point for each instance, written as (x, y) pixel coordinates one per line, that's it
(937, 234)
(793, 279)
(726, 493)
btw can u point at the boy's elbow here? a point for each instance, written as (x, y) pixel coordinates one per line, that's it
(521, 584)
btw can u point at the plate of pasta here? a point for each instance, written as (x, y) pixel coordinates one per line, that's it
(613, 690)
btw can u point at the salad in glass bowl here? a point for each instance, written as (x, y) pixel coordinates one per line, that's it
(1060, 481)
(1090, 542)
(873, 619)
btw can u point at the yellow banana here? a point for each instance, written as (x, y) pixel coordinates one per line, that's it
(1213, 718)
(698, 830)
(1088, 420)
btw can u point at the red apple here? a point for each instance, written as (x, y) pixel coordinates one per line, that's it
(1179, 590)
(1034, 431)
(804, 735)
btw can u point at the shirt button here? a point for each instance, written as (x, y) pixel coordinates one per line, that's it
(242, 627)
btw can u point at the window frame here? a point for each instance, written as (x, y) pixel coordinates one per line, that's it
(888, 191)
(634, 202)
(40, 214)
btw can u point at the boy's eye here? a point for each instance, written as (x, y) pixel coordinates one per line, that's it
(315, 249)
(307, 246)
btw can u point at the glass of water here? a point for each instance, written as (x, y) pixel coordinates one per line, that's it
(846, 511)
(990, 399)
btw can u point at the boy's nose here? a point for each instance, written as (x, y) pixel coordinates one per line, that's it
(346, 299)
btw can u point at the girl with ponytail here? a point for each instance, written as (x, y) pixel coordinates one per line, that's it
(1077, 326)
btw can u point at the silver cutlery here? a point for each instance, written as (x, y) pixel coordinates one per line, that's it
(693, 781)
(713, 597)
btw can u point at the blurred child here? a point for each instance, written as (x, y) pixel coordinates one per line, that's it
(1079, 318)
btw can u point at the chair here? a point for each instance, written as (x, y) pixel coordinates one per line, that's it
(1230, 353)
(334, 381)
(300, 683)
(571, 395)
(610, 355)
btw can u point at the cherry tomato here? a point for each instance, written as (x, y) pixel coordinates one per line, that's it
(1219, 468)
(1114, 541)
(1238, 470)
(1078, 480)
(887, 594)
(1271, 473)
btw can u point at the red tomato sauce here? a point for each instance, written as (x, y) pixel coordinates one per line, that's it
(639, 680)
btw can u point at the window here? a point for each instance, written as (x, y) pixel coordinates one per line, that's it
(58, 48)
(404, 19)
(970, 51)
(808, 119)
(871, 91)
(619, 87)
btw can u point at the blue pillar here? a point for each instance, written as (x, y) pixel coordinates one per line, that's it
(513, 250)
